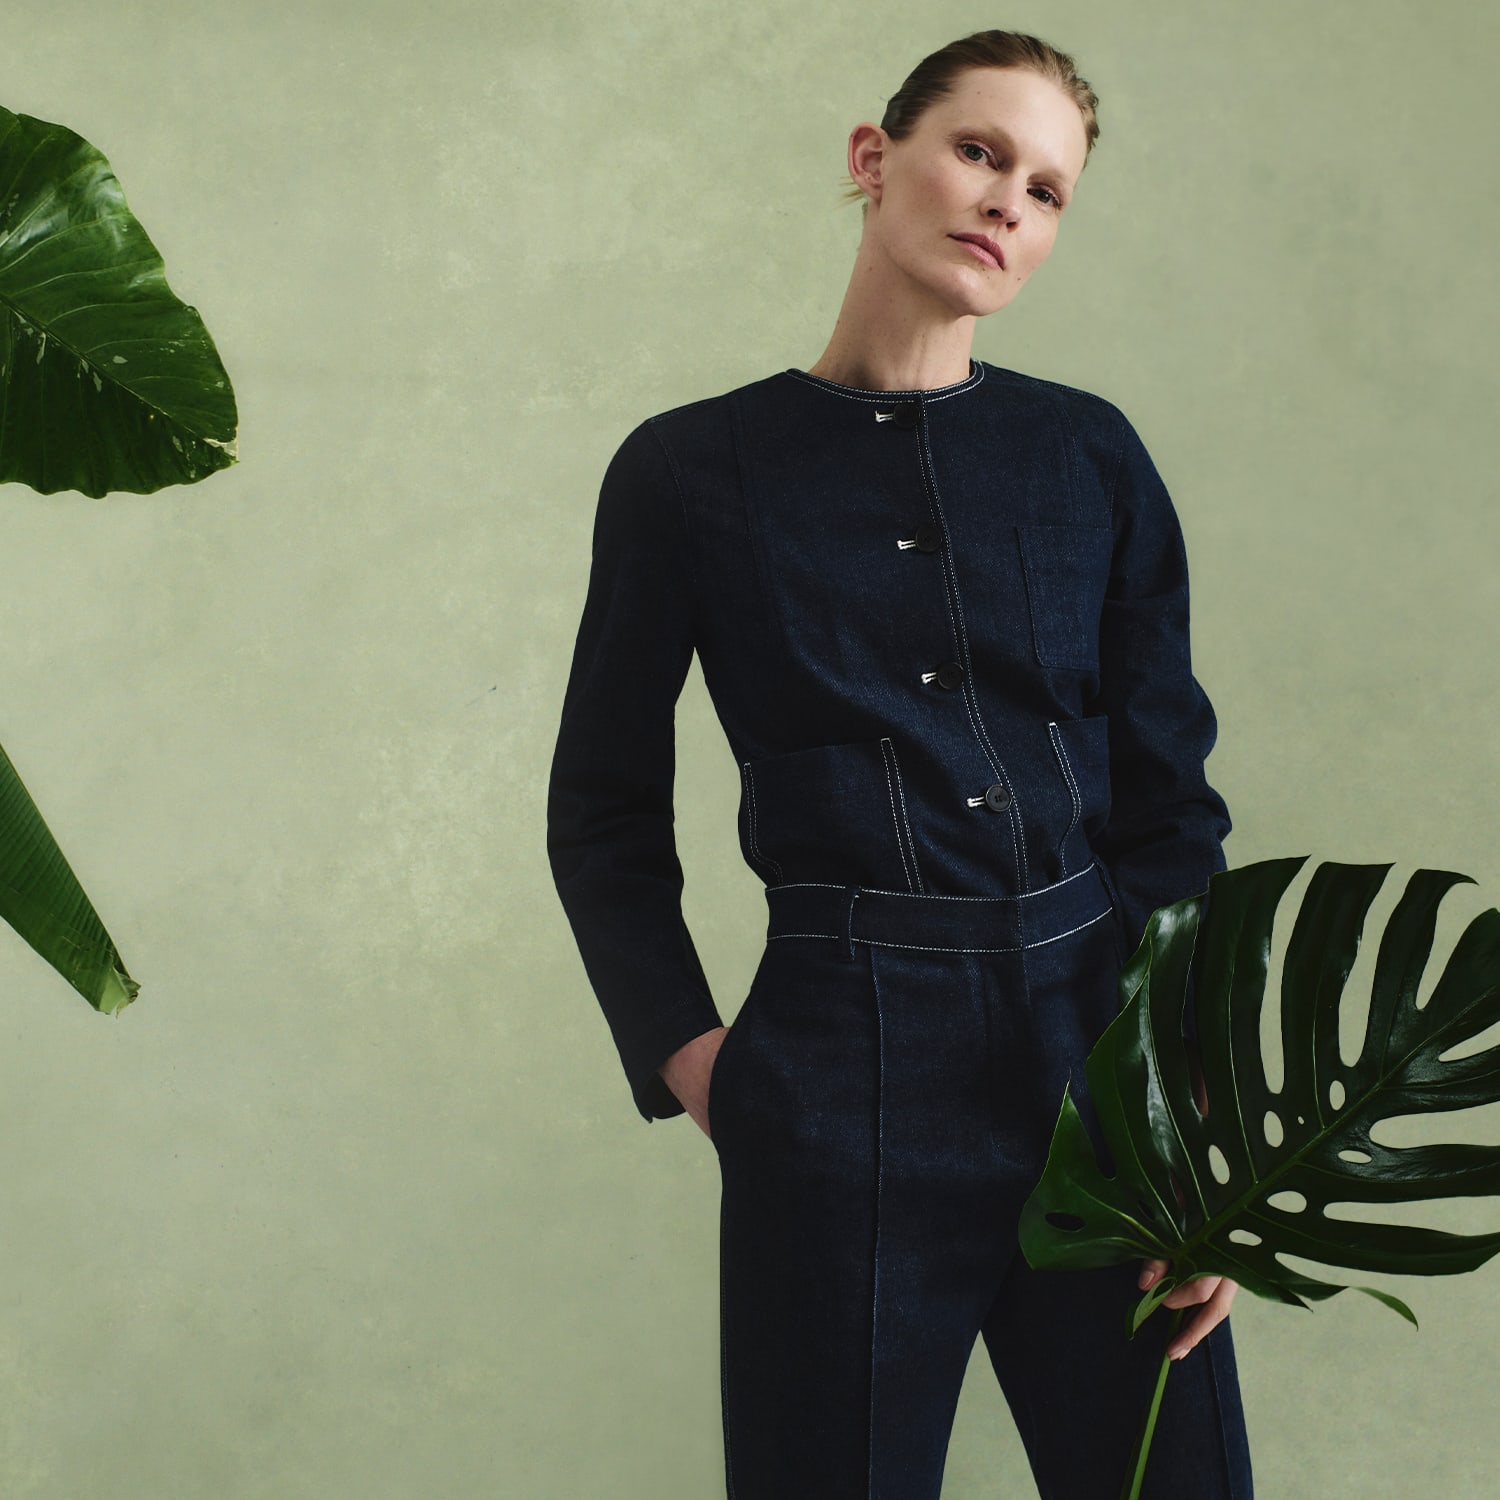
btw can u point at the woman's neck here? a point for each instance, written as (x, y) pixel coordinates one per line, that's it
(881, 342)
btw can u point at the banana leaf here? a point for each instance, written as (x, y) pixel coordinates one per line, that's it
(1283, 1155)
(107, 381)
(41, 898)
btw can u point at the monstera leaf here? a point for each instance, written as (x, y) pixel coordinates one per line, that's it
(42, 900)
(1226, 1192)
(1282, 1156)
(107, 381)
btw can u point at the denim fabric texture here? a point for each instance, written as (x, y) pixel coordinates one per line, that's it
(946, 634)
(881, 1108)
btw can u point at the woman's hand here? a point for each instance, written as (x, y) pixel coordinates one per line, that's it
(1215, 1292)
(688, 1070)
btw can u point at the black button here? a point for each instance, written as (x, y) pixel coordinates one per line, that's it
(905, 415)
(997, 797)
(950, 674)
(929, 538)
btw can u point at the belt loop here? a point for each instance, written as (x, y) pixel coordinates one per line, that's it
(848, 954)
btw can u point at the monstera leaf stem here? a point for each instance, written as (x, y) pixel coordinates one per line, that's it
(1136, 1468)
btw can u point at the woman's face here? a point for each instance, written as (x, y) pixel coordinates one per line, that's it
(998, 158)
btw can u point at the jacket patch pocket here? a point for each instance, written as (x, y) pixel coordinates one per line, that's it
(1082, 750)
(1066, 570)
(833, 813)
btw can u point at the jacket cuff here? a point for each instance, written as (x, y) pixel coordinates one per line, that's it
(642, 1058)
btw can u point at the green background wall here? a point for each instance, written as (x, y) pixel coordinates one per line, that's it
(354, 1201)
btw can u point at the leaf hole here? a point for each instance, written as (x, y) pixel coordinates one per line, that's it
(1457, 1215)
(1069, 1223)
(1349, 1153)
(1336, 1093)
(1481, 1041)
(1288, 1200)
(1478, 1125)
(1272, 1127)
(1243, 1237)
(1218, 1164)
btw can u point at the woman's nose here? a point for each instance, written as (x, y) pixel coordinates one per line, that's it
(1004, 201)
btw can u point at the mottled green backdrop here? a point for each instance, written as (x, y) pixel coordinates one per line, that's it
(353, 1201)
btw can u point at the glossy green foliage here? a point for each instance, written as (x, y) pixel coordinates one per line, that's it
(107, 381)
(1287, 1154)
(42, 900)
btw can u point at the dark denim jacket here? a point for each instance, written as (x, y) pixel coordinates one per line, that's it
(946, 633)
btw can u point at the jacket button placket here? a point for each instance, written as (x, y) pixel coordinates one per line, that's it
(928, 538)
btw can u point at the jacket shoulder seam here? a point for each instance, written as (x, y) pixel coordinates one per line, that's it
(1064, 398)
(681, 494)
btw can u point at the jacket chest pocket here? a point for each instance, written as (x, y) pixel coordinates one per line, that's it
(1066, 570)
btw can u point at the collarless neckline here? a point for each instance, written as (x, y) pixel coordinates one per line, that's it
(861, 393)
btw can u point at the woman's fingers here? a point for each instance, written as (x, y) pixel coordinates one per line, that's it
(1190, 1293)
(1215, 1310)
(1213, 1293)
(1151, 1273)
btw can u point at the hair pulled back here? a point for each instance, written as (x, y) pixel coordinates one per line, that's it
(934, 78)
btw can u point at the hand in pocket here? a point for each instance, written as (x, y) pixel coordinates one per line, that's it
(688, 1070)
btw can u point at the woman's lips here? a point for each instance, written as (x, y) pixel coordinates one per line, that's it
(979, 252)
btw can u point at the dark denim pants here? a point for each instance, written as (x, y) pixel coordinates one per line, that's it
(881, 1107)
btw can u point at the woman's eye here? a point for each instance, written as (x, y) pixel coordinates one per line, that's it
(1052, 200)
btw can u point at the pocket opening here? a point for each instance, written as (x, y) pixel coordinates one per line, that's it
(1066, 569)
(829, 813)
(1062, 760)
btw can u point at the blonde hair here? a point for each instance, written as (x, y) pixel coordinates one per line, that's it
(934, 78)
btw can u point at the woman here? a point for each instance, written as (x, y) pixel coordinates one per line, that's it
(941, 609)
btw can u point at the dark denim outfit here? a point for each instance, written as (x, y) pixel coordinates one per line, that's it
(946, 633)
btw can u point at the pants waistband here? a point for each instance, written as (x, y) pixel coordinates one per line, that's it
(850, 914)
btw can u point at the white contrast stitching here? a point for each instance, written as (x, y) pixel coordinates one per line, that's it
(754, 843)
(890, 791)
(971, 703)
(1056, 737)
(838, 885)
(941, 948)
(875, 1248)
(901, 793)
(887, 398)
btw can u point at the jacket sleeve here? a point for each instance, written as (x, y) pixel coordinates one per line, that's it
(609, 801)
(1163, 839)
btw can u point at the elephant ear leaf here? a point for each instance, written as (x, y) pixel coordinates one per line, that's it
(1226, 1192)
(41, 898)
(107, 381)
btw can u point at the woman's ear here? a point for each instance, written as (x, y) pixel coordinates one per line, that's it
(867, 144)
